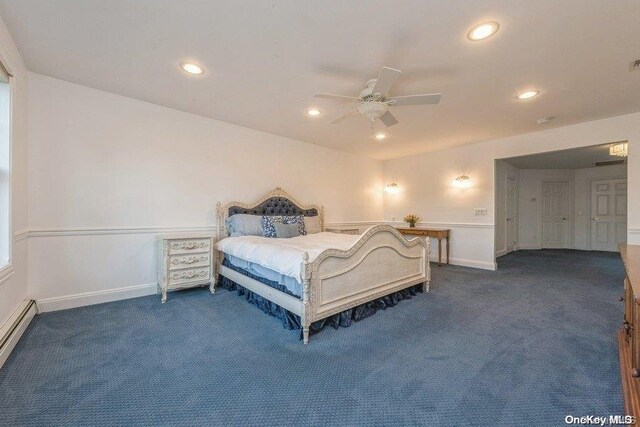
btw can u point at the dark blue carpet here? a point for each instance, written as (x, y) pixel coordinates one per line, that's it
(528, 344)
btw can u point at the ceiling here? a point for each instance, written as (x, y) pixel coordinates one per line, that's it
(264, 60)
(575, 158)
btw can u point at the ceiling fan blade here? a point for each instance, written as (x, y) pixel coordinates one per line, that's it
(388, 119)
(386, 78)
(338, 97)
(343, 117)
(433, 98)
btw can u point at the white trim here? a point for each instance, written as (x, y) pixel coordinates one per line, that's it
(17, 331)
(484, 265)
(501, 253)
(444, 224)
(20, 235)
(528, 247)
(352, 224)
(633, 231)
(93, 231)
(95, 297)
(6, 272)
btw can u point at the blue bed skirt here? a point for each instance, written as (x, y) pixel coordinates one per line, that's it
(292, 321)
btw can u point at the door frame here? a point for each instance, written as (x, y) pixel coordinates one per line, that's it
(590, 200)
(570, 243)
(516, 216)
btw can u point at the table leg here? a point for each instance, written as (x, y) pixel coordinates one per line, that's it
(447, 250)
(439, 252)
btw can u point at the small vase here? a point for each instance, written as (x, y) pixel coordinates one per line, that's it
(412, 224)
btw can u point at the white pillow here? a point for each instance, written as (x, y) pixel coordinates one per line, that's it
(312, 224)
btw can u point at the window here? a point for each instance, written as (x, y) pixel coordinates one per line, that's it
(5, 168)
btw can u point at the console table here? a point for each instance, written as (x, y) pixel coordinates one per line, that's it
(629, 334)
(436, 233)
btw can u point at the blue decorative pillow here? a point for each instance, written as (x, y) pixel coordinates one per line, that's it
(244, 225)
(269, 230)
(286, 231)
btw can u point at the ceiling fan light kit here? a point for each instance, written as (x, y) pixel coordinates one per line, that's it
(374, 102)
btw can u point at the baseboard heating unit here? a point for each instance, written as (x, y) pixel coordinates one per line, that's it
(12, 330)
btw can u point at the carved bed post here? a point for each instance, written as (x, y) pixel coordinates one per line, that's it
(304, 317)
(427, 266)
(215, 254)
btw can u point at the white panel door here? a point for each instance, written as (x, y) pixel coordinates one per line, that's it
(510, 214)
(608, 214)
(556, 215)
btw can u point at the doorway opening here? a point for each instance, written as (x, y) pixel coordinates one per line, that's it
(568, 199)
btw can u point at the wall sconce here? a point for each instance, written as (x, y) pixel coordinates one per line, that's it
(392, 188)
(463, 181)
(620, 150)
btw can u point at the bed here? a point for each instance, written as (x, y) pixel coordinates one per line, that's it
(319, 275)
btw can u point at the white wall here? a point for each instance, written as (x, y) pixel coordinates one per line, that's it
(503, 171)
(13, 288)
(102, 164)
(425, 182)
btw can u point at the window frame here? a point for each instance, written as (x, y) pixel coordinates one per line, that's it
(7, 270)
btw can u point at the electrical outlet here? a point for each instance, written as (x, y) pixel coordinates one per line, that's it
(480, 211)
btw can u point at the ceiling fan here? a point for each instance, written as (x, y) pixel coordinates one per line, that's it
(374, 100)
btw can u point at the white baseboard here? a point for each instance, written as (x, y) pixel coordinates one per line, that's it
(95, 297)
(13, 331)
(525, 247)
(501, 253)
(484, 265)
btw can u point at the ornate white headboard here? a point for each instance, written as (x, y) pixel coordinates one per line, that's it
(275, 202)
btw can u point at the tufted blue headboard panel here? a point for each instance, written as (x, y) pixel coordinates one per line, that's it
(274, 206)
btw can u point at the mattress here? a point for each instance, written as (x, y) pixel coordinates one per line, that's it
(284, 256)
(291, 283)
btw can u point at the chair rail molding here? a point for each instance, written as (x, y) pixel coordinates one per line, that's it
(106, 230)
(487, 226)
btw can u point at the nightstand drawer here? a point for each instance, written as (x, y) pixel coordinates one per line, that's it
(177, 277)
(187, 246)
(189, 261)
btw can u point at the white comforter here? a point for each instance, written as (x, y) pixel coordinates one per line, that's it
(284, 255)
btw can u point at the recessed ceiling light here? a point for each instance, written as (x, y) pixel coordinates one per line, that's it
(483, 31)
(380, 136)
(313, 112)
(529, 94)
(191, 68)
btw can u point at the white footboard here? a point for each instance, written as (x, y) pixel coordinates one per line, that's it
(381, 262)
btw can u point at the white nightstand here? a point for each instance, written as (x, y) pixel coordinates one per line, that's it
(184, 261)
(343, 230)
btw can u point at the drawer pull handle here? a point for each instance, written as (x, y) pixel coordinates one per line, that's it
(188, 246)
(189, 275)
(620, 298)
(188, 261)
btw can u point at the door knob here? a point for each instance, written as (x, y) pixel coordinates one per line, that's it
(595, 218)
